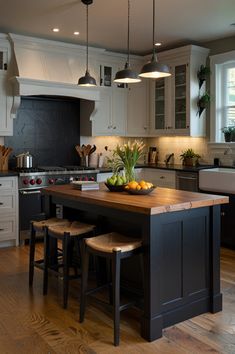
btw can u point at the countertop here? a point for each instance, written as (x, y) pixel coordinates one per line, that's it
(161, 200)
(8, 173)
(172, 167)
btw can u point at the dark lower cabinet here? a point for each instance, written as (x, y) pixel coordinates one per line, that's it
(228, 223)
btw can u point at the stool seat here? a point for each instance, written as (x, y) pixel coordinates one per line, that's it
(70, 235)
(74, 228)
(113, 242)
(40, 225)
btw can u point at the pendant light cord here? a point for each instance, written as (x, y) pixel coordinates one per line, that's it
(87, 37)
(128, 35)
(154, 52)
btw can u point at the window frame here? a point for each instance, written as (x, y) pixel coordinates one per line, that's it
(218, 64)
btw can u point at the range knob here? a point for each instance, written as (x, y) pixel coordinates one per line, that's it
(51, 181)
(26, 181)
(32, 182)
(39, 181)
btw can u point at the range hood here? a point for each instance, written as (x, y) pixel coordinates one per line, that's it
(48, 68)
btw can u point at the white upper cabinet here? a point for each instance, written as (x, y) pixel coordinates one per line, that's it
(173, 106)
(138, 109)
(6, 122)
(109, 114)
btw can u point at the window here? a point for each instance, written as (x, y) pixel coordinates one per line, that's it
(223, 93)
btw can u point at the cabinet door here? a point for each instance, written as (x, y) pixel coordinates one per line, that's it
(119, 111)
(180, 104)
(138, 110)
(102, 124)
(6, 124)
(160, 108)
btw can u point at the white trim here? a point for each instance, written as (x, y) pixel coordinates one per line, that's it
(216, 116)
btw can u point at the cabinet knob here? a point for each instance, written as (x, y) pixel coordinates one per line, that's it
(114, 127)
(162, 177)
(145, 128)
(222, 213)
(187, 126)
(109, 126)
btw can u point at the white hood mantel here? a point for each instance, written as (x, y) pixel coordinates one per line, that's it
(48, 68)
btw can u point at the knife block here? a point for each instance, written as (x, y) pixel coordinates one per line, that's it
(4, 163)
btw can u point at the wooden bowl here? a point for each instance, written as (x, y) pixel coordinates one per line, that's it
(141, 191)
(115, 188)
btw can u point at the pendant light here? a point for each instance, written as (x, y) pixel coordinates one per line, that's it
(87, 80)
(127, 76)
(153, 69)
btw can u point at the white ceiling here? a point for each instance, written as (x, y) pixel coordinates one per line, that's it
(177, 21)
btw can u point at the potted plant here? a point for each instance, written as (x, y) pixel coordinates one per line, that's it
(202, 73)
(126, 156)
(189, 157)
(229, 133)
(203, 102)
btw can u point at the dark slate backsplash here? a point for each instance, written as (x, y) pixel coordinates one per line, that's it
(49, 129)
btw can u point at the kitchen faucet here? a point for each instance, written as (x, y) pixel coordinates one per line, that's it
(167, 160)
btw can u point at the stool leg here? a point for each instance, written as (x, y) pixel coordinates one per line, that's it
(32, 253)
(46, 261)
(116, 294)
(85, 268)
(66, 250)
(109, 280)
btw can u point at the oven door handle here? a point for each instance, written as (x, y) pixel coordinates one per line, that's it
(30, 192)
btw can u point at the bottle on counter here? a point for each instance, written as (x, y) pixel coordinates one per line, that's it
(152, 155)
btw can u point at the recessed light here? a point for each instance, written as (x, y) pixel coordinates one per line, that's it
(55, 30)
(76, 33)
(158, 44)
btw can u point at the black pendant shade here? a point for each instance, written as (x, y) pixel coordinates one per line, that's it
(153, 69)
(87, 80)
(127, 75)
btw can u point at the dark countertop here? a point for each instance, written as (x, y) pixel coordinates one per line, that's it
(8, 173)
(173, 167)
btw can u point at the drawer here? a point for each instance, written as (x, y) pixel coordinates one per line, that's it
(7, 203)
(8, 183)
(8, 228)
(161, 178)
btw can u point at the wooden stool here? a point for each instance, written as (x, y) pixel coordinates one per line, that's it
(66, 233)
(39, 226)
(114, 247)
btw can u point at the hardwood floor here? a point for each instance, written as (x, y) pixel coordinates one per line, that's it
(31, 323)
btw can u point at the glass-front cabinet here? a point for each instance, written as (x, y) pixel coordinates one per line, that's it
(180, 89)
(174, 99)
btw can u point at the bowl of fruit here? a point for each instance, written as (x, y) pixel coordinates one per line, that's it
(139, 188)
(116, 183)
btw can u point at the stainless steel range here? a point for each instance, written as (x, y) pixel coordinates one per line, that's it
(31, 181)
(43, 176)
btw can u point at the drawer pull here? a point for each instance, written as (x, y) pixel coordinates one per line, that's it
(1, 229)
(1, 203)
(0, 184)
(162, 177)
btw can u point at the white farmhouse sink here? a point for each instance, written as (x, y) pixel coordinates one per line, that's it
(219, 179)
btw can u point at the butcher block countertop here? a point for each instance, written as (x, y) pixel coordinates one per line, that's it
(161, 200)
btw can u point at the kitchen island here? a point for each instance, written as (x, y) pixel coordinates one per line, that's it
(181, 240)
